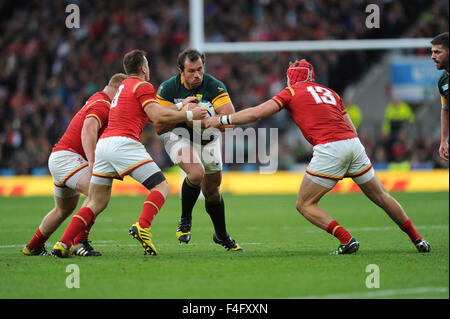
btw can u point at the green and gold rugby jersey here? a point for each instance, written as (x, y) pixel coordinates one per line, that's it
(443, 89)
(211, 90)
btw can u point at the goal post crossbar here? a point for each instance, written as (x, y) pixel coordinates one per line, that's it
(315, 45)
(197, 40)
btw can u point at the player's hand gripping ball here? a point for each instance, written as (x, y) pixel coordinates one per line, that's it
(209, 108)
(210, 112)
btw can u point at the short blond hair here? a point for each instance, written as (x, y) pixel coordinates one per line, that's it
(116, 79)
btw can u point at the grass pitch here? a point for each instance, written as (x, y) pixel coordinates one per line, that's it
(285, 256)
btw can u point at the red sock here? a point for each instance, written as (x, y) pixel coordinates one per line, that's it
(78, 223)
(38, 240)
(339, 232)
(408, 228)
(84, 234)
(153, 203)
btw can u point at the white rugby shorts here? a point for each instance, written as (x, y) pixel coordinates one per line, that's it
(333, 161)
(210, 154)
(118, 156)
(66, 169)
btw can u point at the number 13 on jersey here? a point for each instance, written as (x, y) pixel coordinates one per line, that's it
(321, 95)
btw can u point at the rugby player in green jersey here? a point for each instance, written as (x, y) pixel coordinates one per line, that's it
(198, 155)
(439, 54)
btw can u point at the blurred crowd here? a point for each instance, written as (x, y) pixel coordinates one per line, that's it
(47, 70)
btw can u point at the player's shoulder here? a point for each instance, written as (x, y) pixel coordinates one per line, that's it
(100, 95)
(98, 98)
(307, 84)
(299, 87)
(209, 79)
(304, 84)
(443, 78)
(213, 85)
(134, 84)
(443, 83)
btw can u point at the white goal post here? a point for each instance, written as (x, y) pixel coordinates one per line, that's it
(197, 40)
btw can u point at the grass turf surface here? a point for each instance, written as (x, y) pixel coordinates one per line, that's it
(285, 256)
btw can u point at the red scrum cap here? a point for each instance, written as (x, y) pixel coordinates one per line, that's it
(300, 71)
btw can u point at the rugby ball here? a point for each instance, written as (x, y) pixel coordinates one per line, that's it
(209, 108)
(206, 133)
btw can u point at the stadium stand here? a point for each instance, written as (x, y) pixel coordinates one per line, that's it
(47, 70)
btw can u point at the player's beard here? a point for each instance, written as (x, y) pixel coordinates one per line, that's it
(441, 65)
(444, 64)
(193, 84)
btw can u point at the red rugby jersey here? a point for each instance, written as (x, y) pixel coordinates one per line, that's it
(127, 116)
(317, 110)
(96, 106)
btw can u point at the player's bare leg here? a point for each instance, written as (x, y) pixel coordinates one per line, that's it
(308, 198)
(378, 194)
(97, 200)
(64, 207)
(83, 184)
(190, 163)
(215, 207)
(211, 186)
(81, 244)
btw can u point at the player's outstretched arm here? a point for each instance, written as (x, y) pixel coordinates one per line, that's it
(163, 115)
(162, 128)
(225, 109)
(245, 116)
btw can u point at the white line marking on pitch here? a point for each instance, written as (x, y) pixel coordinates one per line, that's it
(378, 293)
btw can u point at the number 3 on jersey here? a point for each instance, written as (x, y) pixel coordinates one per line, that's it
(116, 97)
(326, 96)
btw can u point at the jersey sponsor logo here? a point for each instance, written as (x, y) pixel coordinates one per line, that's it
(445, 87)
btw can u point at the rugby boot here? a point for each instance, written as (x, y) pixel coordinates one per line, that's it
(344, 249)
(422, 245)
(184, 230)
(84, 249)
(28, 251)
(229, 243)
(60, 250)
(144, 236)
